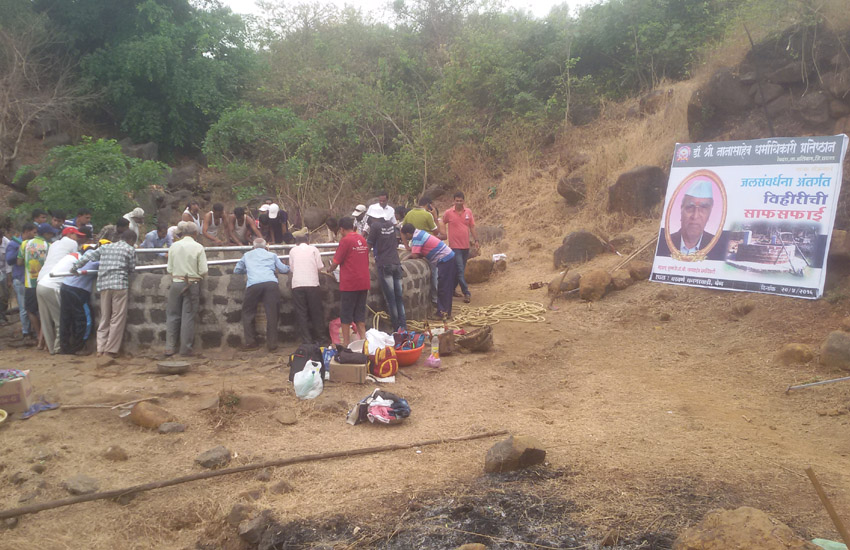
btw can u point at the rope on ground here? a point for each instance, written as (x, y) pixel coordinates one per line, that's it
(519, 311)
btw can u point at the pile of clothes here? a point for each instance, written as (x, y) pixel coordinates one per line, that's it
(380, 407)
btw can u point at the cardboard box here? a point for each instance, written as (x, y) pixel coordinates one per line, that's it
(16, 394)
(354, 374)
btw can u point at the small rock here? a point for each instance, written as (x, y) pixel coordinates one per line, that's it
(845, 324)
(29, 496)
(214, 458)
(623, 242)
(578, 246)
(665, 295)
(286, 417)
(252, 495)
(835, 351)
(18, 478)
(795, 354)
(81, 484)
(836, 412)
(239, 513)
(514, 453)
(822, 412)
(43, 454)
(115, 454)
(208, 403)
(264, 475)
(38, 468)
(255, 403)
(593, 285)
(639, 270)
(252, 530)
(500, 266)
(10, 523)
(172, 428)
(621, 279)
(281, 488)
(664, 317)
(148, 415)
(472, 546)
(743, 307)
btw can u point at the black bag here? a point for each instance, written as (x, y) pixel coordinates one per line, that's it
(348, 357)
(304, 353)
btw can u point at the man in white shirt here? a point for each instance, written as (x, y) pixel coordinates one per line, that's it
(5, 278)
(305, 261)
(47, 290)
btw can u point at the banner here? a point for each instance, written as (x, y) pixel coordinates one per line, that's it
(751, 215)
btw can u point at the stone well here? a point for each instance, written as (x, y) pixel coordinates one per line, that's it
(220, 318)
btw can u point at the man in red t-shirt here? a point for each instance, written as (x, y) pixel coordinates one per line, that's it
(352, 257)
(460, 225)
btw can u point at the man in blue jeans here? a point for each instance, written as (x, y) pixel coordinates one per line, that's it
(28, 232)
(460, 226)
(384, 243)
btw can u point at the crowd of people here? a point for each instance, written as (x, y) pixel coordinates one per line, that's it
(55, 313)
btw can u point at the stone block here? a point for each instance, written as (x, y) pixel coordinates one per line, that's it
(211, 339)
(158, 316)
(233, 316)
(234, 340)
(220, 300)
(136, 316)
(146, 336)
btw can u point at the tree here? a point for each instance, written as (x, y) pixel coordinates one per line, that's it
(94, 174)
(36, 83)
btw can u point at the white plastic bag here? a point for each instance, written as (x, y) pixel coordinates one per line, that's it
(377, 339)
(308, 381)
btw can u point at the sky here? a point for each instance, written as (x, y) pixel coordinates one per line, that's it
(540, 8)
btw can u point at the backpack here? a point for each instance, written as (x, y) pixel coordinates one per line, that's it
(386, 362)
(304, 353)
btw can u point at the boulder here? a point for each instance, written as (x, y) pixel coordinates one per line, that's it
(839, 245)
(81, 484)
(500, 266)
(743, 307)
(186, 176)
(791, 73)
(286, 417)
(490, 233)
(726, 94)
(795, 354)
(835, 351)
(639, 270)
(282, 487)
(57, 140)
(214, 458)
(514, 453)
(148, 415)
(16, 198)
(621, 279)
(638, 191)
(313, 217)
(838, 109)
(478, 270)
(593, 285)
(570, 282)
(573, 189)
(578, 246)
(742, 528)
(813, 108)
(766, 93)
(838, 83)
(780, 106)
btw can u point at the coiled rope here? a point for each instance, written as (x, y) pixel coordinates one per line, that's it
(519, 311)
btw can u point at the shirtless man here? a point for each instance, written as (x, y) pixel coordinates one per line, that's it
(243, 227)
(216, 226)
(193, 214)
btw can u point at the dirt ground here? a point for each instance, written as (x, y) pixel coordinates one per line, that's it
(649, 423)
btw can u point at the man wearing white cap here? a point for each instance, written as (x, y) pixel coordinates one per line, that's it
(692, 239)
(359, 216)
(136, 219)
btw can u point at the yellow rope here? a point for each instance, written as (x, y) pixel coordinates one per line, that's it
(519, 311)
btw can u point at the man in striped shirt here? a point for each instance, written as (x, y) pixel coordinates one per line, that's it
(117, 261)
(424, 245)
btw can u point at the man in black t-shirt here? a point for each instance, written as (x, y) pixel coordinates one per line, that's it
(384, 243)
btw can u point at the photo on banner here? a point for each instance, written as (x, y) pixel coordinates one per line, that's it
(751, 215)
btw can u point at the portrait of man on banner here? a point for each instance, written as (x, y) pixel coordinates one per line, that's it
(694, 222)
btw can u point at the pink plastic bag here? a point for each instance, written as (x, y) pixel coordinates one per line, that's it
(335, 329)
